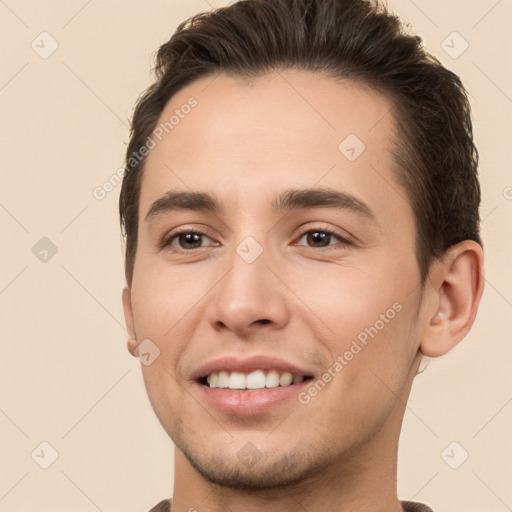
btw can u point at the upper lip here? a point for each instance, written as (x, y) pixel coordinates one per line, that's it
(247, 365)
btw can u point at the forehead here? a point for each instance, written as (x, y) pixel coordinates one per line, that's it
(282, 130)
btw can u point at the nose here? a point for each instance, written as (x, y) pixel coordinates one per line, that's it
(249, 297)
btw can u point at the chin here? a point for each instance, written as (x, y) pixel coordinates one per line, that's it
(256, 473)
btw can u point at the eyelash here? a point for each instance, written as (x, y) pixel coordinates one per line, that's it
(343, 241)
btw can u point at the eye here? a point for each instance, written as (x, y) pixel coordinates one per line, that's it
(185, 241)
(322, 237)
(188, 241)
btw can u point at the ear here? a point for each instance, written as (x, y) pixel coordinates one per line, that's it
(454, 290)
(128, 317)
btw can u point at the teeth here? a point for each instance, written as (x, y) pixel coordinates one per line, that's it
(253, 380)
(236, 380)
(285, 379)
(223, 380)
(272, 380)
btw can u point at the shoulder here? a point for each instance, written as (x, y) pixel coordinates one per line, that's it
(413, 506)
(162, 506)
(409, 506)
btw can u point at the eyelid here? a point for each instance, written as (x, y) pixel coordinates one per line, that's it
(341, 235)
(168, 238)
(346, 240)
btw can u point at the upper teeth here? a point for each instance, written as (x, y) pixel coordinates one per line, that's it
(253, 380)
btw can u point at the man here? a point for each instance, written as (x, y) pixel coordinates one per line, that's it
(300, 206)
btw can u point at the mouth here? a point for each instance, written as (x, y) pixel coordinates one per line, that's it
(251, 393)
(251, 381)
(250, 386)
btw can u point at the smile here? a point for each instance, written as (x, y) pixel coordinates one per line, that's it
(258, 379)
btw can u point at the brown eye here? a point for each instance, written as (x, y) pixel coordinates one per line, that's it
(189, 240)
(186, 240)
(319, 238)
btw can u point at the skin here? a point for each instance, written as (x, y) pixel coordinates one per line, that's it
(246, 142)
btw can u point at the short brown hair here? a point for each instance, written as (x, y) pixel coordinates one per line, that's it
(356, 39)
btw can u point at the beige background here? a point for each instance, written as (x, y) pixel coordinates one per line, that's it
(66, 377)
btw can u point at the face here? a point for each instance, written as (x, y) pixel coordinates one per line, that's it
(294, 270)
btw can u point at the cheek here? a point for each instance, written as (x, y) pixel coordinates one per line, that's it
(366, 322)
(368, 374)
(162, 297)
(347, 299)
(161, 307)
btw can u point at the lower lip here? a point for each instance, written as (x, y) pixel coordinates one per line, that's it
(250, 402)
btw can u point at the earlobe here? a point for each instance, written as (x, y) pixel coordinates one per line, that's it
(128, 316)
(455, 290)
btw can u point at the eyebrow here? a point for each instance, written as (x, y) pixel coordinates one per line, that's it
(293, 199)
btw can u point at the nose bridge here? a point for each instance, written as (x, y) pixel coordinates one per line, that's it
(249, 293)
